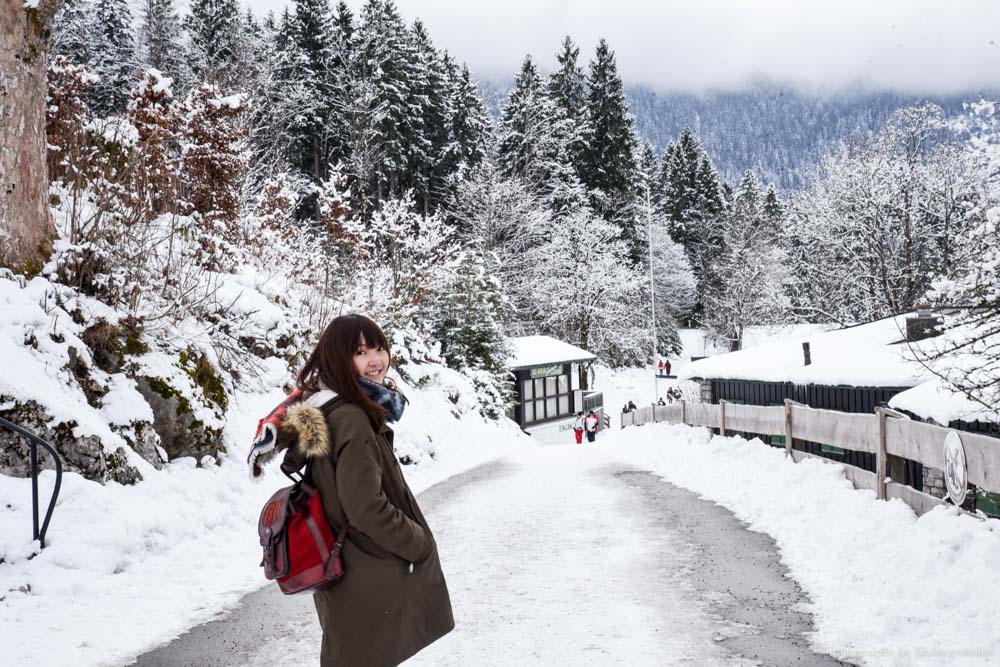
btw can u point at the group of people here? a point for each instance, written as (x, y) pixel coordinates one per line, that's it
(663, 368)
(586, 423)
(673, 394)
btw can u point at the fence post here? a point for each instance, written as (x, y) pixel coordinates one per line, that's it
(880, 459)
(722, 418)
(894, 467)
(788, 427)
(683, 411)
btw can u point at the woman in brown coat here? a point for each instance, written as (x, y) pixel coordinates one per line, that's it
(392, 600)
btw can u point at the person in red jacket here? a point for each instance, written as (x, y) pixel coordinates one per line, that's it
(578, 428)
(666, 367)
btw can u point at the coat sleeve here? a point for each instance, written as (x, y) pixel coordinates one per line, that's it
(359, 485)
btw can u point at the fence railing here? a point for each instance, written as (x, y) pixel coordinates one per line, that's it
(38, 532)
(889, 435)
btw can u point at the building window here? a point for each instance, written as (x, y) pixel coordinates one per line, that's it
(547, 397)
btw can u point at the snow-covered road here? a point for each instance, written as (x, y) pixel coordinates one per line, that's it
(565, 555)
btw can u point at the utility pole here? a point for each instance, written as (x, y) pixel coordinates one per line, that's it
(652, 290)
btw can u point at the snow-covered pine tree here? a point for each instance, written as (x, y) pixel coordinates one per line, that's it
(160, 45)
(431, 163)
(308, 65)
(673, 280)
(112, 56)
(534, 143)
(386, 53)
(610, 145)
(213, 30)
(566, 88)
(691, 197)
(469, 315)
(342, 68)
(745, 285)
(471, 127)
(71, 32)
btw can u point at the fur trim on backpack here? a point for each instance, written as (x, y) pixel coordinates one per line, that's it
(309, 424)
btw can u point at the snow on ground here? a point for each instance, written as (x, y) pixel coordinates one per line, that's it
(559, 573)
(886, 587)
(127, 568)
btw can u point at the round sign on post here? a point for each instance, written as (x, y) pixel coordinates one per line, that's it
(956, 478)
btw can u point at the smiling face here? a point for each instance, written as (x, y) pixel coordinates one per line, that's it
(372, 363)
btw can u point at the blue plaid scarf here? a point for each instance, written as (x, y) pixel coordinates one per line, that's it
(387, 396)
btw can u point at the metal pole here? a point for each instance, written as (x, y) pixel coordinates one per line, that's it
(34, 491)
(652, 291)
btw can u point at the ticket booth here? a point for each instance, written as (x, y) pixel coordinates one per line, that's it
(548, 376)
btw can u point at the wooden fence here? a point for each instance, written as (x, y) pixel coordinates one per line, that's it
(889, 435)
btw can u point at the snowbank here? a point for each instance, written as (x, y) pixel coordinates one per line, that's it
(886, 587)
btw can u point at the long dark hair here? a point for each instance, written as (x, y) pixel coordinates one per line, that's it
(332, 362)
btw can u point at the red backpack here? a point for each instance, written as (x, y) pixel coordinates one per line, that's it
(300, 550)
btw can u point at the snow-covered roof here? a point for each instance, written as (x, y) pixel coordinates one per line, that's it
(528, 351)
(934, 400)
(863, 356)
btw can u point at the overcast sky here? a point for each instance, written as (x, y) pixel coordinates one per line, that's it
(919, 46)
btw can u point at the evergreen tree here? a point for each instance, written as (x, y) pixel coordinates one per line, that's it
(387, 58)
(433, 161)
(112, 56)
(566, 84)
(160, 48)
(213, 29)
(471, 127)
(468, 319)
(534, 143)
(342, 70)
(747, 281)
(609, 154)
(566, 87)
(311, 62)
(692, 200)
(72, 32)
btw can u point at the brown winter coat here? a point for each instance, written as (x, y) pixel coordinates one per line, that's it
(380, 613)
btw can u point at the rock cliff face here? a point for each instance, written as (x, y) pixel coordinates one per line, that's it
(180, 431)
(182, 396)
(86, 455)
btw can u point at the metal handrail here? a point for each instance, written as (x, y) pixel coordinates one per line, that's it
(34, 441)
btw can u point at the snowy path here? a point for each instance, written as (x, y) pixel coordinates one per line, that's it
(565, 555)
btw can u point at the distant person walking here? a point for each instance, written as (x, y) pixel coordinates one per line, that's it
(666, 367)
(591, 423)
(578, 428)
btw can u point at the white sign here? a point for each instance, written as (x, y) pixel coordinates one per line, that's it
(956, 478)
